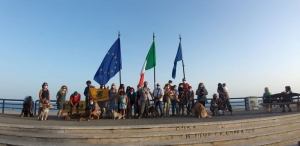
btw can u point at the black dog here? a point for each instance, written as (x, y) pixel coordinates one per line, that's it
(27, 107)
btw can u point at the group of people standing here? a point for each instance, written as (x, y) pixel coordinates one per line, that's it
(136, 103)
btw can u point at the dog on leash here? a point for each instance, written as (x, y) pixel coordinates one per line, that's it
(153, 111)
(216, 109)
(45, 111)
(116, 115)
(200, 111)
(86, 116)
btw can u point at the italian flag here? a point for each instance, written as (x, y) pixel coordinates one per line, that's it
(149, 63)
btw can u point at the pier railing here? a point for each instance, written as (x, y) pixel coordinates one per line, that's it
(11, 103)
(239, 102)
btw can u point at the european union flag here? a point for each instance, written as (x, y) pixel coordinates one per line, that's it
(111, 64)
(177, 58)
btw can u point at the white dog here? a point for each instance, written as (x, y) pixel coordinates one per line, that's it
(116, 115)
(45, 111)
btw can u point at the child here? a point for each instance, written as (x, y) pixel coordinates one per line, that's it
(123, 103)
(226, 90)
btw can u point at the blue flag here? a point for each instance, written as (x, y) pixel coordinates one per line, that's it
(111, 64)
(178, 58)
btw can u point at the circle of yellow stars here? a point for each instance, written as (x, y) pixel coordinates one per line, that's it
(115, 57)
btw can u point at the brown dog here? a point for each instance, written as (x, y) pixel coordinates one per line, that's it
(153, 112)
(84, 115)
(200, 111)
(67, 117)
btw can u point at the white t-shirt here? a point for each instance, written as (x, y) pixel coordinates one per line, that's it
(225, 89)
(157, 92)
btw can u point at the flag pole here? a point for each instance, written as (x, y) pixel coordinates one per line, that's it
(182, 56)
(120, 69)
(154, 66)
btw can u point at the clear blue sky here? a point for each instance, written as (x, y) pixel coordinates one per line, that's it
(247, 44)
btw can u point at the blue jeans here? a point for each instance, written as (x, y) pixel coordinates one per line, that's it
(159, 105)
(174, 105)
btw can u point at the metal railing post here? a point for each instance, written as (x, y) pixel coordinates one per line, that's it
(3, 106)
(245, 104)
(35, 105)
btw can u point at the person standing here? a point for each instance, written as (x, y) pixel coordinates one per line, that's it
(44, 95)
(102, 104)
(182, 97)
(158, 94)
(136, 101)
(190, 100)
(226, 90)
(185, 85)
(171, 85)
(121, 88)
(127, 89)
(167, 99)
(112, 94)
(201, 93)
(225, 100)
(131, 97)
(123, 100)
(74, 102)
(87, 93)
(61, 100)
(174, 103)
(144, 92)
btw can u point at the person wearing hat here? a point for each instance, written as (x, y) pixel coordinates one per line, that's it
(74, 102)
(158, 94)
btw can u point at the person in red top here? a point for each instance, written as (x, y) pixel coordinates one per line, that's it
(185, 85)
(74, 102)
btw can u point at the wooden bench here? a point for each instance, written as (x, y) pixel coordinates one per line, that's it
(281, 99)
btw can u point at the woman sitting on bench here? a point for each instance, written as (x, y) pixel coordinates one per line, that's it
(267, 99)
(287, 98)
